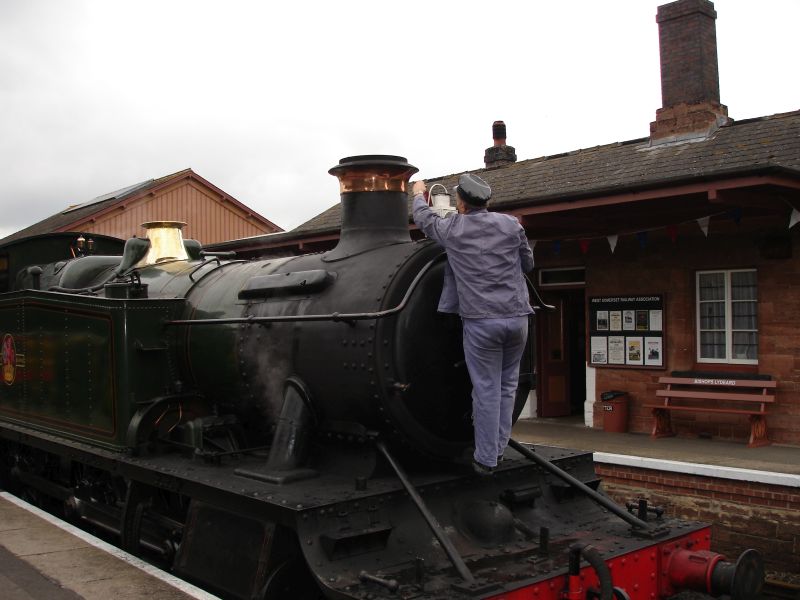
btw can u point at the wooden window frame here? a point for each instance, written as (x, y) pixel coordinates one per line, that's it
(728, 360)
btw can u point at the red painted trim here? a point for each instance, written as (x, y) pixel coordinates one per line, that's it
(640, 572)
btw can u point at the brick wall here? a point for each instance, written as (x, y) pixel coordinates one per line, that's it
(688, 48)
(689, 73)
(664, 267)
(743, 514)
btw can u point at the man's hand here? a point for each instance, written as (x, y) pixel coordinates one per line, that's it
(419, 187)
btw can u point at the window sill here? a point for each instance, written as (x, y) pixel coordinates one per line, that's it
(726, 367)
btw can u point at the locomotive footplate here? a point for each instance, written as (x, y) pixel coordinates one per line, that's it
(380, 547)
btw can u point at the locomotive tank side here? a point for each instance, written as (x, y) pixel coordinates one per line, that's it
(73, 363)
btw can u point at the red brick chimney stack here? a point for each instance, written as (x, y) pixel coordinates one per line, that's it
(499, 153)
(689, 73)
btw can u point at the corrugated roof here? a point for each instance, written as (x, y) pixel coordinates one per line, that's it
(736, 149)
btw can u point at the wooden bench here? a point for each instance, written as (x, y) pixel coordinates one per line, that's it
(714, 395)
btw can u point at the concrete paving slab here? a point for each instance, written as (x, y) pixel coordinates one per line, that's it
(80, 565)
(15, 519)
(37, 539)
(126, 586)
(42, 558)
(20, 581)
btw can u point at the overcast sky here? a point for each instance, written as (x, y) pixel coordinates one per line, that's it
(262, 98)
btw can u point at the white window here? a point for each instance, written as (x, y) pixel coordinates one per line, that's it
(727, 317)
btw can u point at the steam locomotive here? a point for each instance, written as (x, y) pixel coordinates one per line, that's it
(300, 427)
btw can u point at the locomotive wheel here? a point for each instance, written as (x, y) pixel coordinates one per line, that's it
(7, 480)
(137, 500)
(292, 579)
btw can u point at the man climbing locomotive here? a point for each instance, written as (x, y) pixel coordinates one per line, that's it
(487, 254)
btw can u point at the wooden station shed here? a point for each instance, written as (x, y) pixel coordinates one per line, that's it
(210, 214)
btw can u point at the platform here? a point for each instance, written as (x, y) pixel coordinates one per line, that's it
(41, 557)
(775, 464)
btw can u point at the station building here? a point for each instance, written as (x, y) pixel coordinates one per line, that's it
(674, 253)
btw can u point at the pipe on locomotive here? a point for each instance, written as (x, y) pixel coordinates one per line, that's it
(602, 500)
(574, 588)
(335, 317)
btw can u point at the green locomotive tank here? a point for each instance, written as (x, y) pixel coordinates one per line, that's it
(72, 363)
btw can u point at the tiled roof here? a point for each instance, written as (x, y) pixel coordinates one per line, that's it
(744, 147)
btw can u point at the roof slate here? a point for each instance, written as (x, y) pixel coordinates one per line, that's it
(737, 149)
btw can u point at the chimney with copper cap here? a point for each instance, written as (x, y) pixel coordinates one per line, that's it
(499, 153)
(374, 197)
(689, 73)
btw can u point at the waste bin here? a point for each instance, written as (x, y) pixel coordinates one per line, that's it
(615, 411)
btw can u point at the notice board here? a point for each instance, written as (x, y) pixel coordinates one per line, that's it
(626, 331)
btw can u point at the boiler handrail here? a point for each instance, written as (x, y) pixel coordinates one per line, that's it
(346, 317)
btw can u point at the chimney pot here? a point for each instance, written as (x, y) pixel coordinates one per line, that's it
(499, 133)
(374, 203)
(499, 153)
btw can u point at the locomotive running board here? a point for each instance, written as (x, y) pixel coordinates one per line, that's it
(437, 530)
(639, 527)
(278, 477)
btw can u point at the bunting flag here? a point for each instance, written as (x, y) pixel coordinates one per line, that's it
(703, 222)
(736, 214)
(795, 218)
(672, 232)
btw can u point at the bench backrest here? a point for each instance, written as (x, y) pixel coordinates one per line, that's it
(705, 388)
